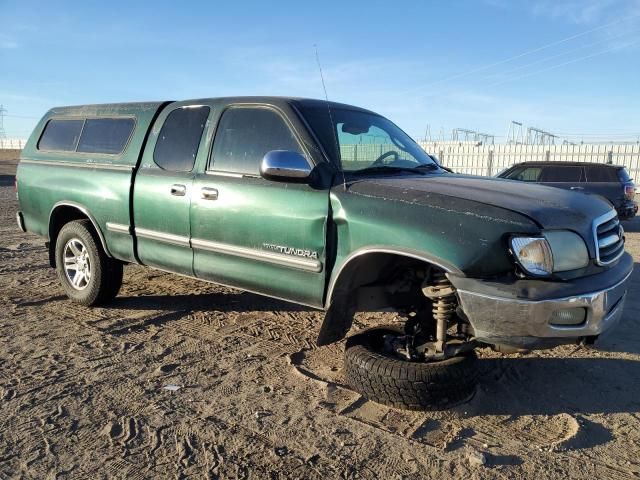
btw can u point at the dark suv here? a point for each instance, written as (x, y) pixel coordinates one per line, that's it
(609, 181)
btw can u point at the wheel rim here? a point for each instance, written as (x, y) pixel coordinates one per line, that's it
(77, 266)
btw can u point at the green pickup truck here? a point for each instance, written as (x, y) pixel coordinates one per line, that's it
(330, 206)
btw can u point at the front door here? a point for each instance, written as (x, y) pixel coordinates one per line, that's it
(259, 235)
(163, 190)
(569, 177)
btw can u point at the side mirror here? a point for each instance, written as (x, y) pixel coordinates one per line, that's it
(284, 165)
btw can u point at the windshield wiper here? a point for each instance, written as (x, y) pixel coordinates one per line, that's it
(427, 166)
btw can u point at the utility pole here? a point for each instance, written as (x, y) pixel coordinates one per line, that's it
(3, 110)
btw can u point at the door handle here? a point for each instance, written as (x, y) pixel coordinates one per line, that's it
(208, 193)
(576, 188)
(178, 190)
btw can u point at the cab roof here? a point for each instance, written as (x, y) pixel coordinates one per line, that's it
(565, 164)
(130, 107)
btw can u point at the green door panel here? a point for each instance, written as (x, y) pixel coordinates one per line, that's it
(162, 196)
(162, 219)
(238, 237)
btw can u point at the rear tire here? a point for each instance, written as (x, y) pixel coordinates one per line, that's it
(386, 379)
(87, 275)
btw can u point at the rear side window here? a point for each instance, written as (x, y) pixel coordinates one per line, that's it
(60, 135)
(105, 135)
(623, 175)
(601, 174)
(525, 174)
(179, 139)
(561, 174)
(245, 135)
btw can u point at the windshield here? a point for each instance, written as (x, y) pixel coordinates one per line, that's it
(366, 141)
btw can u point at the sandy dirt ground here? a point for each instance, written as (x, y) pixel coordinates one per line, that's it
(82, 390)
(8, 158)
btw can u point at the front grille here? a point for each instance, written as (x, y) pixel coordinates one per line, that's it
(609, 237)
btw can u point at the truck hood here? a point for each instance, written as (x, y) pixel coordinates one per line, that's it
(549, 207)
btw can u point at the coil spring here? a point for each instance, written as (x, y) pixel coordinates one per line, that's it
(444, 305)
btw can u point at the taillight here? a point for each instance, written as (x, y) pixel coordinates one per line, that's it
(630, 191)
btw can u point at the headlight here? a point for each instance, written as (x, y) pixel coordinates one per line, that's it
(569, 250)
(555, 251)
(533, 254)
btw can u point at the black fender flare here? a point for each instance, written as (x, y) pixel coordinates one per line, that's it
(340, 305)
(84, 213)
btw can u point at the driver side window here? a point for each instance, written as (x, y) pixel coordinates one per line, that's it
(244, 135)
(529, 174)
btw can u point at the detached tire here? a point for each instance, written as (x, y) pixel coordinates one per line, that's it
(87, 275)
(391, 381)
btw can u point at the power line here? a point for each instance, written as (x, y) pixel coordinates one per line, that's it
(552, 67)
(520, 55)
(563, 64)
(23, 116)
(562, 54)
(601, 135)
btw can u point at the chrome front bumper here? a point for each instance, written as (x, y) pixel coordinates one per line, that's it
(527, 323)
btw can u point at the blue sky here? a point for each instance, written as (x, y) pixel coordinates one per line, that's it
(568, 66)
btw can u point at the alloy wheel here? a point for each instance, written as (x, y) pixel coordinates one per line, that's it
(77, 265)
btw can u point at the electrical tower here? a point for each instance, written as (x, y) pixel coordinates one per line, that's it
(515, 135)
(2, 112)
(463, 134)
(536, 136)
(484, 138)
(427, 134)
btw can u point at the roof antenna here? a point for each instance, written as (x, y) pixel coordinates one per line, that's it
(333, 127)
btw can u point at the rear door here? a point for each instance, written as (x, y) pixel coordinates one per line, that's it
(259, 235)
(603, 180)
(569, 177)
(163, 188)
